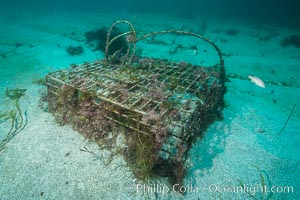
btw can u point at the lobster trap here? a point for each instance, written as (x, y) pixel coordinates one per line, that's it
(162, 105)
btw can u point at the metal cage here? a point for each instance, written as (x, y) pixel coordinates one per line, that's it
(170, 103)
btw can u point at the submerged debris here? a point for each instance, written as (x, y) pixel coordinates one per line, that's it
(160, 106)
(74, 50)
(97, 39)
(232, 32)
(287, 120)
(292, 40)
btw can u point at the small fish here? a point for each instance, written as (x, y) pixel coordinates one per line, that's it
(260, 130)
(257, 81)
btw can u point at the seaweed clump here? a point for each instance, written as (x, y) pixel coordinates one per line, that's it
(292, 40)
(16, 117)
(74, 50)
(232, 32)
(94, 118)
(265, 183)
(97, 39)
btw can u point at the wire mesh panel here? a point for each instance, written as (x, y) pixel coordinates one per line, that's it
(162, 105)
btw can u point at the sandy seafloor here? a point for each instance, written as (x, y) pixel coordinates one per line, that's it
(44, 161)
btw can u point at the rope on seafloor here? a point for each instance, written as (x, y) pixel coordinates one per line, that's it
(287, 120)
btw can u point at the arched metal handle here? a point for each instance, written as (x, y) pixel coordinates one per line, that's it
(222, 69)
(130, 39)
(133, 40)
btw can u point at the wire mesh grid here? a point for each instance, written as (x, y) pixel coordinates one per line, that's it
(150, 86)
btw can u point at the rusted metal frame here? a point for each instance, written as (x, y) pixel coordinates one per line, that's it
(113, 78)
(71, 72)
(159, 103)
(109, 41)
(222, 70)
(129, 89)
(119, 104)
(128, 117)
(138, 85)
(102, 83)
(58, 80)
(130, 127)
(180, 96)
(187, 88)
